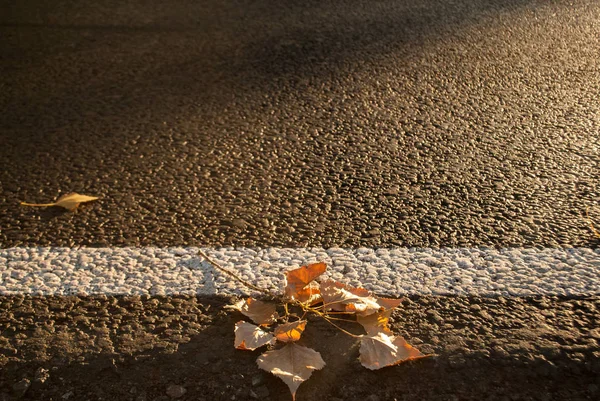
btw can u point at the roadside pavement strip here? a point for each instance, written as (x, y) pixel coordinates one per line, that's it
(504, 324)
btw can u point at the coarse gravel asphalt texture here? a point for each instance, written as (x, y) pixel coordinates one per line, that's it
(150, 348)
(315, 123)
(349, 123)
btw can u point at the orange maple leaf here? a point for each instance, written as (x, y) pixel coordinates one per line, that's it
(290, 332)
(296, 280)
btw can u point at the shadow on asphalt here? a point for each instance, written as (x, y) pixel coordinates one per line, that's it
(144, 63)
(132, 348)
(209, 368)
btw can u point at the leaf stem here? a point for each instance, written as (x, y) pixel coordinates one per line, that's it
(232, 274)
(337, 318)
(340, 313)
(324, 305)
(338, 327)
(328, 319)
(38, 204)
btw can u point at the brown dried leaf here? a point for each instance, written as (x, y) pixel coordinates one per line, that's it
(389, 303)
(69, 201)
(251, 337)
(297, 279)
(381, 350)
(260, 312)
(376, 322)
(290, 332)
(339, 297)
(293, 364)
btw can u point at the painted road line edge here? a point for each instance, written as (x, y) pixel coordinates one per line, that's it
(386, 271)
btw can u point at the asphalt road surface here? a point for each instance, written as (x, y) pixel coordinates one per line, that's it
(431, 123)
(378, 123)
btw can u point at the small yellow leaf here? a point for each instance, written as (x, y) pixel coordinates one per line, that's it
(293, 364)
(69, 201)
(380, 350)
(297, 279)
(251, 337)
(290, 332)
(376, 322)
(260, 312)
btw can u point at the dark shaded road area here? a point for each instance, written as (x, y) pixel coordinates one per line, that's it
(352, 123)
(144, 348)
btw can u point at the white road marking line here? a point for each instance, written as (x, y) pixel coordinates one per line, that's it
(390, 271)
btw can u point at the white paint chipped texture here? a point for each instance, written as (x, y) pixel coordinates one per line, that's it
(386, 271)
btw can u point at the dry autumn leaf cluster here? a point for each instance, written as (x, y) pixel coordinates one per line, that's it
(294, 363)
